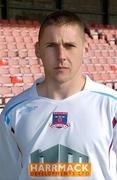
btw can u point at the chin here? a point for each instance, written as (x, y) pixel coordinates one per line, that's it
(61, 80)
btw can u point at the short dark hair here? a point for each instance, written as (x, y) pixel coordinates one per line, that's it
(61, 17)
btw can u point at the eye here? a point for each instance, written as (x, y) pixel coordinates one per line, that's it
(51, 45)
(69, 45)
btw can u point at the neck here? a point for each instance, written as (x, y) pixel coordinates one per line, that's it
(59, 91)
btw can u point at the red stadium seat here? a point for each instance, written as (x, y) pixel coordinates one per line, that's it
(16, 79)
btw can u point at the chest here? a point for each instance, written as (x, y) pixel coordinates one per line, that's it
(75, 124)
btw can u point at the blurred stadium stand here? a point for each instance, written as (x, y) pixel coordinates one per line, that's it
(19, 66)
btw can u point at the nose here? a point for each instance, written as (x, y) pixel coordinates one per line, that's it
(61, 54)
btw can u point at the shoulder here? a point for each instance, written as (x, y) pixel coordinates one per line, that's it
(27, 95)
(105, 91)
(19, 99)
(102, 89)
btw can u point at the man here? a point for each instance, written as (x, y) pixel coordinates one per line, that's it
(64, 126)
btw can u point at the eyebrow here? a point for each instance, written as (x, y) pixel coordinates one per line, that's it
(51, 42)
(55, 43)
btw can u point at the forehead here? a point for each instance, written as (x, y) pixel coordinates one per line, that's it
(66, 32)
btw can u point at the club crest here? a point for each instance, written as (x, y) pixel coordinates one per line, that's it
(59, 120)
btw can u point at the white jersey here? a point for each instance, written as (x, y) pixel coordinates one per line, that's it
(79, 129)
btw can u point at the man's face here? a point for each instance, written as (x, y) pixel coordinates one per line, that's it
(61, 50)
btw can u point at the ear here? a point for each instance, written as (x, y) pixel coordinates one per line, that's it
(85, 48)
(37, 49)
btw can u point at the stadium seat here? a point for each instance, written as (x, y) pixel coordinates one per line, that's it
(5, 80)
(16, 79)
(3, 62)
(16, 89)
